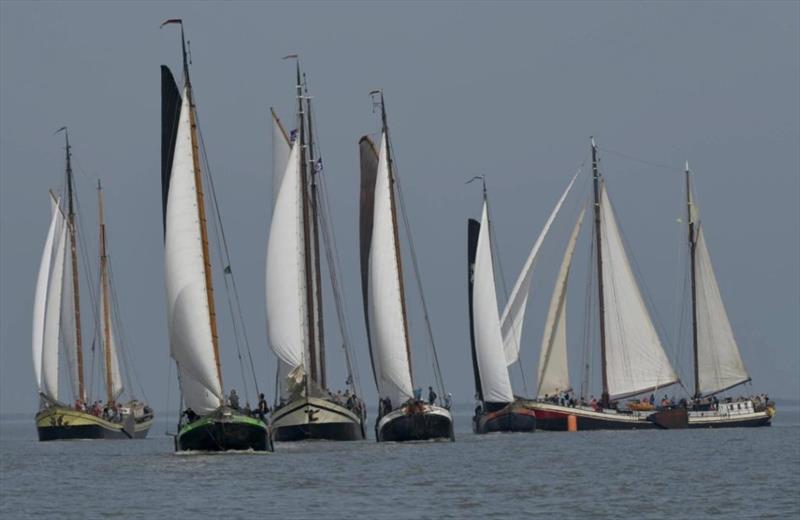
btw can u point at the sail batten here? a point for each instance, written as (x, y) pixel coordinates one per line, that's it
(493, 370)
(553, 366)
(635, 359)
(514, 312)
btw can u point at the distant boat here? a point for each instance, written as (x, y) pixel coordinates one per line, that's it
(633, 361)
(718, 365)
(305, 408)
(499, 410)
(209, 422)
(57, 321)
(403, 416)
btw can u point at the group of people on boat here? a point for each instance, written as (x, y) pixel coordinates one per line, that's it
(349, 400)
(385, 403)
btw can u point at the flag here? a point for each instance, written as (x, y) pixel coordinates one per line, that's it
(293, 135)
(318, 165)
(227, 269)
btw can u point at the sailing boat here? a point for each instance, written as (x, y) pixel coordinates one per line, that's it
(500, 409)
(209, 423)
(402, 416)
(56, 321)
(718, 365)
(305, 408)
(632, 357)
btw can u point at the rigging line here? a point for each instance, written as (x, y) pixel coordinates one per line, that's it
(640, 161)
(588, 320)
(418, 278)
(129, 365)
(227, 258)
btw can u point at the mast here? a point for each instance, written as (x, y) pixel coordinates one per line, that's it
(398, 258)
(310, 281)
(201, 207)
(315, 219)
(601, 299)
(76, 299)
(692, 248)
(106, 313)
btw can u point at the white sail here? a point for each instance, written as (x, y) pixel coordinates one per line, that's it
(52, 318)
(187, 300)
(719, 364)
(285, 270)
(281, 148)
(69, 341)
(40, 296)
(553, 367)
(514, 313)
(495, 382)
(635, 360)
(386, 321)
(116, 379)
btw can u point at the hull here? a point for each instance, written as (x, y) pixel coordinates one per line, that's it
(224, 430)
(516, 417)
(312, 418)
(553, 417)
(62, 423)
(419, 422)
(742, 414)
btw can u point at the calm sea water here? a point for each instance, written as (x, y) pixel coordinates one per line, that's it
(737, 473)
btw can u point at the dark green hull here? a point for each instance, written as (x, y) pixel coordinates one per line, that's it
(222, 432)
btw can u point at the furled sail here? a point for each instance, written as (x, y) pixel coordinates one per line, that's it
(52, 319)
(187, 300)
(514, 313)
(495, 381)
(116, 379)
(635, 360)
(553, 367)
(720, 365)
(385, 320)
(281, 148)
(285, 270)
(40, 296)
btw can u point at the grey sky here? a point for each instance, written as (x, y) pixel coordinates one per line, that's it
(509, 90)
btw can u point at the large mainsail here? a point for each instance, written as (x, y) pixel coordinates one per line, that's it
(281, 148)
(720, 365)
(495, 381)
(553, 367)
(635, 359)
(68, 330)
(52, 319)
(191, 337)
(40, 296)
(285, 274)
(383, 295)
(514, 313)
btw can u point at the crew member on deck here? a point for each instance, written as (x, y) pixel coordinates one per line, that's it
(431, 396)
(233, 399)
(263, 408)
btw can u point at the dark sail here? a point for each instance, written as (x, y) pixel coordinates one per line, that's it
(369, 171)
(170, 113)
(473, 231)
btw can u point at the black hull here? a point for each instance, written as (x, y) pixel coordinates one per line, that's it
(223, 436)
(555, 418)
(416, 427)
(59, 433)
(733, 423)
(342, 431)
(504, 421)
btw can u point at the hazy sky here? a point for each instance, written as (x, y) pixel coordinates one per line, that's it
(509, 90)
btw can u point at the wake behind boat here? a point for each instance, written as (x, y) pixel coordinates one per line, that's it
(402, 415)
(57, 330)
(305, 408)
(210, 422)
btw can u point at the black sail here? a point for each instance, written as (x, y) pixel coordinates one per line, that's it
(473, 231)
(369, 172)
(170, 113)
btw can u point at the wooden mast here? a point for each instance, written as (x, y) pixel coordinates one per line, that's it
(315, 220)
(76, 298)
(201, 211)
(309, 275)
(398, 256)
(105, 310)
(601, 298)
(692, 250)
